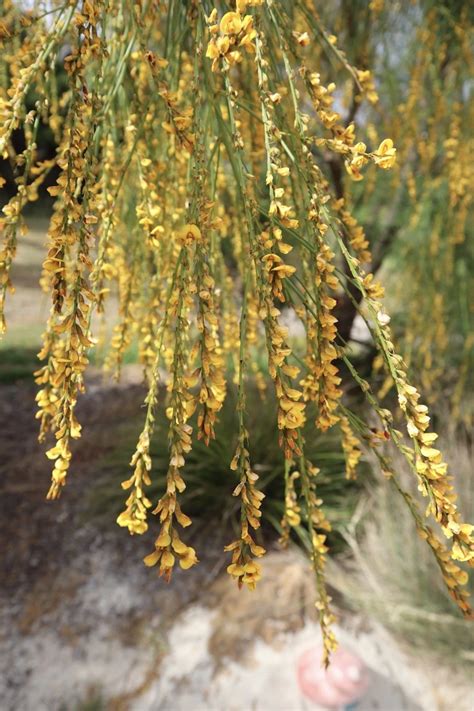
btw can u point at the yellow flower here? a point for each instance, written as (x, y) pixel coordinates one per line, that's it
(353, 171)
(291, 414)
(284, 270)
(385, 155)
(303, 39)
(188, 234)
(231, 23)
(212, 51)
(167, 560)
(243, 4)
(188, 559)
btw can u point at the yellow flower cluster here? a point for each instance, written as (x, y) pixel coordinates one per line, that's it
(26, 67)
(356, 235)
(318, 522)
(187, 173)
(351, 448)
(321, 383)
(343, 137)
(211, 371)
(244, 568)
(168, 545)
(323, 101)
(292, 512)
(179, 120)
(234, 32)
(373, 289)
(427, 461)
(367, 84)
(71, 231)
(454, 576)
(277, 271)
(135, 514)
(384, 157)
(291, 408)
(169, 548)
(432, 471)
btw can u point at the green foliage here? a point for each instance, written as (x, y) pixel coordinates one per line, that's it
(210, 481)
(17, 363)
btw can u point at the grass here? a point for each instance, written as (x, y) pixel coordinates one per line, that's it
(393, 577)
(19, 356)
(209, 479)
(17, 363)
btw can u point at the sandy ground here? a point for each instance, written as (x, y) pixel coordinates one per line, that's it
(84, 625)
(117, 640)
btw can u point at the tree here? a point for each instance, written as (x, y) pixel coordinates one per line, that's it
(211, 173)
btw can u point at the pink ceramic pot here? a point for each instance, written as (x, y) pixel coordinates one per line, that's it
(343, 683)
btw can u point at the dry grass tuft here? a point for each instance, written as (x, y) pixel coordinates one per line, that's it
(393, 577)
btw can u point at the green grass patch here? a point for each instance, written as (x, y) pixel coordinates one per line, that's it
(210, 482)
(17, 363)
